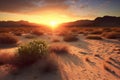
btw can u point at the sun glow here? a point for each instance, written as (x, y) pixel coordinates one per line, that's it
(47, 18)
(53, 24)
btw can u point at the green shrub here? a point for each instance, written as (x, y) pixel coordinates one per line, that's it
(31, 52)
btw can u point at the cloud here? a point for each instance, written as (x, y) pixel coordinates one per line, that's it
(15, 5)
(29, 5)
(36, 6)
(73, 8)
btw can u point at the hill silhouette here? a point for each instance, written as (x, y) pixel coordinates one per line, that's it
(20, 23)
(106, 21)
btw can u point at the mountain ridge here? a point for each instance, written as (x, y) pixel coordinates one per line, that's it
(105, 21)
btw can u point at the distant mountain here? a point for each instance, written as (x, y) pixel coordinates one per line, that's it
(78, 23)
(18, 24)
(106, 21)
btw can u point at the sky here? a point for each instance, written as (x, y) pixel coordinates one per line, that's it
(59, 11)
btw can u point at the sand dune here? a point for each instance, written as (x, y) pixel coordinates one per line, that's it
(88, 60)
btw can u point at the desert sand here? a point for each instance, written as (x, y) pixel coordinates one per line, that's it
(88, 60)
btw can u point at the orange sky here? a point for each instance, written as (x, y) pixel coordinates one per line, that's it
(57, 11)
(44, 18)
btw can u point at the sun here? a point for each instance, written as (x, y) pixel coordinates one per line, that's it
(53, 24)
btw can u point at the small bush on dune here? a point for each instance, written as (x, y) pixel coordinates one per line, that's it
(93, 37)
(38, 33)
(30, 36)
(70, 38)
(59, 48)
(6, 38)
(31, 52)
(96, 32)
(18, 33)
(80, 32)
(75, 30)
(55, 40)
(6, 58)
(64, 33)
(116, 29)
(111, 35)
(107, 29)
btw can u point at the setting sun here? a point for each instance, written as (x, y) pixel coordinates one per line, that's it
(53, 24)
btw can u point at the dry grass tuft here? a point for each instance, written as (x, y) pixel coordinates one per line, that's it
(59, 48)
(38, 33)
(98, 32)
(70, 38)
(18, 33)
(111, 35)
(30, 36)
(6, 38)
(6, 58)
(94, 37)
(55, 40)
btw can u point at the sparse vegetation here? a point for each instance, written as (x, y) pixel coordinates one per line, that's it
(38, 33)
(97, 32)
(111, 35)
(55, 40)
(6, 38)
(107, 29)
(59, 48)
(94, 37)
(18, 33)
(30, 36)
(6, 58)
(63, 33)
(70, 38)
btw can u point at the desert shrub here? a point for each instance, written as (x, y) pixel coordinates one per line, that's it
(88, 29)
(107, 29)
(63, 33)
(75, 30)
(31, 52)
(70, 38)
(59, 48)
(116, 29)
(94, 37)
(30, 36)
(6, 38)
(18, 33)
(111, 35)
(97, 32)
(80, 32)
(38, 33)
(6, 58)
(55, 40)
